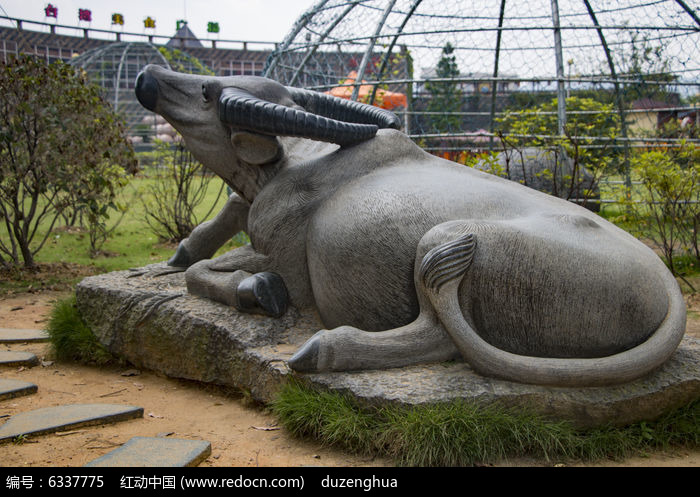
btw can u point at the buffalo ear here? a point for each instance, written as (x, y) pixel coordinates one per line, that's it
(254, 148)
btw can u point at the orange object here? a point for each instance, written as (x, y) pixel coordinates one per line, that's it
(384, 98)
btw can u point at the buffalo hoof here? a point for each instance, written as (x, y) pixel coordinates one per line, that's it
(181, 258)
(305, 359)
(262, 293)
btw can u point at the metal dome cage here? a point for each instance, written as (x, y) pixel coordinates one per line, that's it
(114, 68)
(467, 76)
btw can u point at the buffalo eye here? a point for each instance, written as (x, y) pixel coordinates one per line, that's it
(205, 93)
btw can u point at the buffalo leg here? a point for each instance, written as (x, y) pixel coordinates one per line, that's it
(424, 340)
(209, 236)
(239, 279)
(346, 348)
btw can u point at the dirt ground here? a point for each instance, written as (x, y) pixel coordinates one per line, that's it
(240, 434)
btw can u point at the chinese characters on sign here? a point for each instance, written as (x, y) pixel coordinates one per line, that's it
(51, 11)
(118, 19)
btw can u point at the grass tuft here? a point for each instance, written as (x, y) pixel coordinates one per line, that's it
(71, 339)
(460, 433)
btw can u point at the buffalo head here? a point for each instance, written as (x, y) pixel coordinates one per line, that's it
(232, 119)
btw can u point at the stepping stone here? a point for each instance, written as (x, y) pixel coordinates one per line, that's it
(53, 419)
(10, 335)
(155, 452)
(9, 358)
(15, 388)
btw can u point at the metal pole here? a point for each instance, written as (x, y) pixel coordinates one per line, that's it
(618, 93)
(118, 76)
(494, 84)
(318, 43)
(298, 26)
(690, 11)
(559, 58)
(385, 60)
(370, 49)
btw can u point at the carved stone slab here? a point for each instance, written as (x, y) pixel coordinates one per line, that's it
(155, 324)
(14, 359)
(10, 335)
(10, 389)
(155, 452)
(53, 419)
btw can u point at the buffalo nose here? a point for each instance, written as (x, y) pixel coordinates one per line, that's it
(147, 90)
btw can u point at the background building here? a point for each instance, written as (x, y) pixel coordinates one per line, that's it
(114, 64)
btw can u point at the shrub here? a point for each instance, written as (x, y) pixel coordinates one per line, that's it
(666, 210)
(578, 166)
(179, 185)
(61, 147)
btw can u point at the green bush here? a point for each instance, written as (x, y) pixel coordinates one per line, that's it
(590, 130)
(666, 209)
(62, 149)
(71, 339)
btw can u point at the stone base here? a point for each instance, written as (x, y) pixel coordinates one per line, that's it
(153, 323)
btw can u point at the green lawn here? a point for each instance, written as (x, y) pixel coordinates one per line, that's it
(132, 244)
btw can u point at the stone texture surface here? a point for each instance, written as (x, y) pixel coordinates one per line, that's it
(9, 335)
(53, 419)
(344, 226)
(11, 358)
(190, 337)
(155, 452)
(15, 388)
(152, 322)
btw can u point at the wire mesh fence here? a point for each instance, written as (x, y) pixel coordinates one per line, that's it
(114, 68)
(594, 82)
(590, 80)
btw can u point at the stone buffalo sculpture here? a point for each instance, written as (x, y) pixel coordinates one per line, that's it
(409, 257)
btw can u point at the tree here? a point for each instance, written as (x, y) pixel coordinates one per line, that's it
(649, 70)
(59, 144)
(446, 97)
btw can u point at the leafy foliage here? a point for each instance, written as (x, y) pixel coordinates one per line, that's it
(588, 122)
(666, 210)
(590, 130)
(61, 147)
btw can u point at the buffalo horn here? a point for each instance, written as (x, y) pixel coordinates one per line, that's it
(246, 111)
